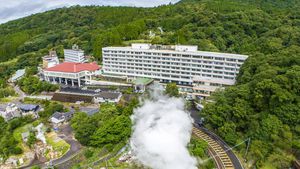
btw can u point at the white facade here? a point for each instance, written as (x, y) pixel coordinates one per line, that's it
(50, 61)
(10, 112)
(71, 73)
(66, 78)
(110, 97)
(74, 55)
(197, 70)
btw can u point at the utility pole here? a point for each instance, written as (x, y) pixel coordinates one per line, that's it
(231, 148)
(248, 144)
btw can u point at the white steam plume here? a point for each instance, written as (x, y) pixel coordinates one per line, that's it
(161, 132)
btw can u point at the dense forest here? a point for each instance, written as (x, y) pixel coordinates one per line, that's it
(264, 104)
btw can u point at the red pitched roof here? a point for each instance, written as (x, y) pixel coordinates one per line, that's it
(71, 67)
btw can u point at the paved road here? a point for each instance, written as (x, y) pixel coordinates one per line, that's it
(234, 159)
(21, 94)
(66, 134)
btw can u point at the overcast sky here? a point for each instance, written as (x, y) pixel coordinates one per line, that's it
(13, 9)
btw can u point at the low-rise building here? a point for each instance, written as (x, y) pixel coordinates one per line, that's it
(29, 109)
(11, 111)
(89, 110)
(71, 73)
(60, 117)
(17, 76)
(74, 95)
(112, 97)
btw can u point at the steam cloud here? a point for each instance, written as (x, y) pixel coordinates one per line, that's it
(161, 132)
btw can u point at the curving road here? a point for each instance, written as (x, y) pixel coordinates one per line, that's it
(223, 156)
(75, 147)
(218, 149)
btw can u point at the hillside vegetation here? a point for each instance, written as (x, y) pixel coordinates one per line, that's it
(265, 103)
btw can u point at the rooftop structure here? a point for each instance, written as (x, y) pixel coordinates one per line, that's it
(75, 94)
(60, 117)
(74, 55)
(18, 75)
(11, 111)
(89, 111)
(70, 72)
(197, 72)
(28, 107)
(50, 60)
(72, 97)
(113, 97)
(141, 83)
(70, 67)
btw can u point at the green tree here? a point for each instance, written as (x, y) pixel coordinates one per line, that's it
(112, 132)
(31, 139)
(172, 90)
(84, 127)
(197, 147)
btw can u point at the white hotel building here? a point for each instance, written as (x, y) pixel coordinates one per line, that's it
(197, 72)
(74, 55)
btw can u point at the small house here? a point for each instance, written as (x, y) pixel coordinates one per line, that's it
(112, 97)
(59, 117)
(11, 111)
(29, 109)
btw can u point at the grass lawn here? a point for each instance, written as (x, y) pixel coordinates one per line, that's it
(18, 132)
(268, 166)
(59, 145)
(8, 99)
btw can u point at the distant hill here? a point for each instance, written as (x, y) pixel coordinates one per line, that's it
(264, 104)
(85, 25)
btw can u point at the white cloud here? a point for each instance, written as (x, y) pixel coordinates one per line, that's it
(13, 9)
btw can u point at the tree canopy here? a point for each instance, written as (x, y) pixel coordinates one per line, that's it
(172, 90)
(263, 105)
(111, 126)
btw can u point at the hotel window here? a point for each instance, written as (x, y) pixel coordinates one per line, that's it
(218, 58)
(207, 57)
(230, 59)
(197, 56)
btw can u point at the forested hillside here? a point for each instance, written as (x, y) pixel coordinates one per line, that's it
(265, 103)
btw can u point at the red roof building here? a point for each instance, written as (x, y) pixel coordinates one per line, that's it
(71, 67)
(71, 73)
